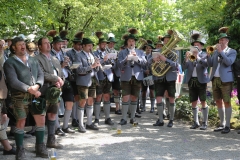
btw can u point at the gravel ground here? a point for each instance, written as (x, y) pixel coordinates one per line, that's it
(143, 142)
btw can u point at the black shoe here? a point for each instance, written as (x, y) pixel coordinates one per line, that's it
(59, 132)
(10, 152)
(194, 126)
(68, 130)
(164, 116)
(225, 130)
(204, 126)
(170, 123)
(96, 122)
(133, 121)
(158, 123)
(31, 132)
(139, 112)
(75, 123)
(168, 116)
(109, 122)
(123, 122)
(137, 116)
(143, 110)
(92, 127)
(118, 112)
(27, 135)
(157, 113)
(152, 110)
(220, 128)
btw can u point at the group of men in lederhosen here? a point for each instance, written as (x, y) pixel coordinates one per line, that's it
(84, 78)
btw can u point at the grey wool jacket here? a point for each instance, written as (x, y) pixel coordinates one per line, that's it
(20, 77)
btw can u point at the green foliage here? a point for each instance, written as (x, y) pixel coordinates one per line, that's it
(183, 108)
(213, 119)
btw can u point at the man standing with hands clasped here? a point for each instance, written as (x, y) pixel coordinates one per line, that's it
(221, 61)
(25, 78)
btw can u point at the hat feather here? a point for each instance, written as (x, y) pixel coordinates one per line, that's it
(170, 32)
(133, 30)
(99, 34)
(51, 33)
(223, 30)
(149, 41)
(79, 35)
(63, 33)
(111, 35)
(195, 36)
(160, 37)
(125, 36)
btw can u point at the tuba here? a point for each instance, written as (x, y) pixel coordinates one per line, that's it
(160, 68)
(141, 43)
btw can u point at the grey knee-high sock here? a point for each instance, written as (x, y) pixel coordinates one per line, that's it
(66, 118)
(51, 127)
(152, 103)
(143, 103)
(228, 114)
(167, 105)
(80, 114)
(133, 108)
(221, 115)
(125, 106)
(205, 114)
(172, 110)
(57, 124)
(74, 110)
(160, 111)
(106, 108)
(97, 109)
(195, 115)
(89, 111)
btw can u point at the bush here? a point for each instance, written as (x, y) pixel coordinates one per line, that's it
(183, 108)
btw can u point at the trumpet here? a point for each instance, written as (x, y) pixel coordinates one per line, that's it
(191, 57)
(210, 49)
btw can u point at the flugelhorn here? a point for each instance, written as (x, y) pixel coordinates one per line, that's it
(210, 49)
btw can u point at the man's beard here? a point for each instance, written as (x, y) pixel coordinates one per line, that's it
(102, 49)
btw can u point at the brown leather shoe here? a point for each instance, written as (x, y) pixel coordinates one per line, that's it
(41, 150)
(51, 142)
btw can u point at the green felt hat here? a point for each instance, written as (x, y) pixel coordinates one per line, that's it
(77, 40)
(223, 33)
(53, 94)
(57, 39)
(132, 34)
(87, 41)
(102, 40)
(112, 39)
(168, 35)
(149, 43)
